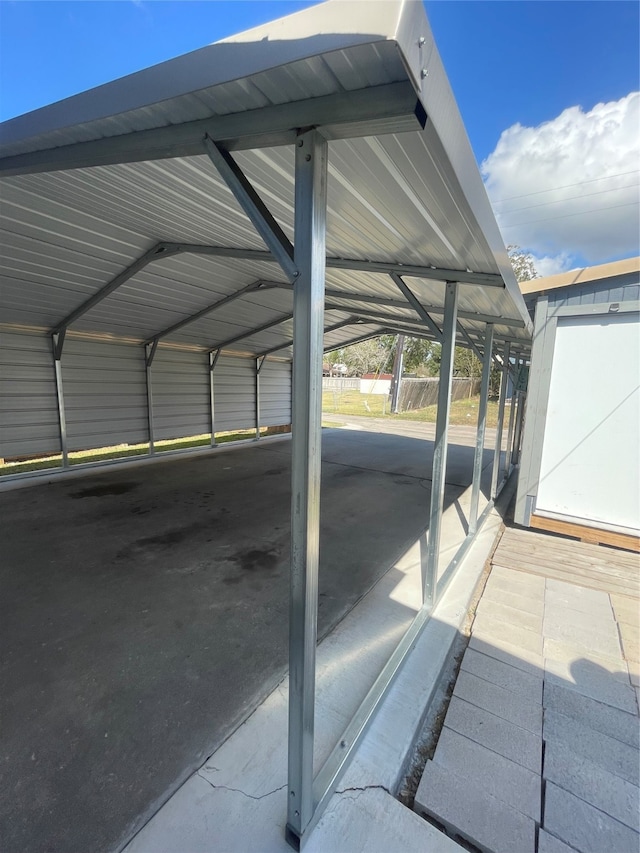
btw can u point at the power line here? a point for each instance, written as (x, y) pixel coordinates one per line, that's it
(568, 198)
(567, 215)
(567, 186)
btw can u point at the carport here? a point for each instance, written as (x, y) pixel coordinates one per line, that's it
(181, 246)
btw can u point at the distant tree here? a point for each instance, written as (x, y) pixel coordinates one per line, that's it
(377, 355)
(522, 263)
(372, 356)
(418, 354)
(466, 364)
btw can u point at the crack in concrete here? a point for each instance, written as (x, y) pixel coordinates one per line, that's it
(239, 791)
(366, 788)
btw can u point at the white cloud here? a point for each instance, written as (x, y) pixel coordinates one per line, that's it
(567, 190)
(552, 264)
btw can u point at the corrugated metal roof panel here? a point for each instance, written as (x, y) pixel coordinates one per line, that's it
(404, 198)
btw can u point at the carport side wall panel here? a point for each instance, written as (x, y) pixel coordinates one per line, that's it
(181, 405)
(28, 404)
(275, 393)
(234, 391)
(105, 394)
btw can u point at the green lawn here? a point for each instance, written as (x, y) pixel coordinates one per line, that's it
(121, 451)
(377, 405)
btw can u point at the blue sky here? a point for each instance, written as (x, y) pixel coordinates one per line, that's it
(511, 65)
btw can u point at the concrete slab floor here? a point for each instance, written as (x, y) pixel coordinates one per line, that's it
(237, 801)
(144, 616)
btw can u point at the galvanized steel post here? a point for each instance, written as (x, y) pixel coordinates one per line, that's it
(397, 373)
(512, 411)
(308, 316)
(149, 353)
(213, 360)
(57, 341)
(517, 438)
(440, 443)
(257, 397)
(259, 365)
(498, 448)
(481, 430)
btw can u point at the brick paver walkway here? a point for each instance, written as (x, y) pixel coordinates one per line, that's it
(539, 752)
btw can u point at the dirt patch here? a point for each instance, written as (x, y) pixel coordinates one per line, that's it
(104, 490)
(153, 545)
(257, 560)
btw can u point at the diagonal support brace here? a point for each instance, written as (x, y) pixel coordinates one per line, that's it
(417, 307)
(257, 211)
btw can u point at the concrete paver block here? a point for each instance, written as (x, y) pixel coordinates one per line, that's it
(512, 580)
(498, 700)
(495, 733)
(563, 652)
(634, 672)
(374, 821)
(485, 770)
(594, 642)
(468, 810)
(598, 619)
(527, 603)
(589, 781)
(584, 827)
(574, 593)
(550, 844)
(596, 715)
(503, 673)
(492, 611)
(626, 609)
(588, 678)
(611, 754)
(515, 635)
(532, 664)
(630, 636)
(578, 599)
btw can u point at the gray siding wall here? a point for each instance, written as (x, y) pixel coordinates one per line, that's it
(275, 393)
(620, 288)
(105, 394)
(181, 398)
(28, 402)
(234, 390)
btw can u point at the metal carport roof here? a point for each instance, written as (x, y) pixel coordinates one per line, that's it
(141, 210)
(116, 223)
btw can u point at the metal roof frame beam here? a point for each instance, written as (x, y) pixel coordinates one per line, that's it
(363, 112)
(385, 319)
(416, 305)
(358, 265)
(350, 322)
(255, 286)
(419, 271)
(250, 333)
(359, 340)
(399, 329)
(160, 250)
(432, 309)
(261, 217)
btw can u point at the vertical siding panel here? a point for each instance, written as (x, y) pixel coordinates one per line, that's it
(28, 403)
(234, 389)
(180, 382)
(275, 393)
(105, 394)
